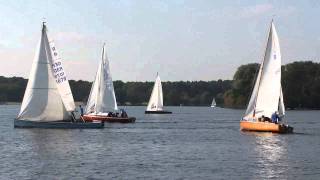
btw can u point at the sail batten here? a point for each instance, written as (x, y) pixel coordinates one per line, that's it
(266, 94)
(102, 97)
(156, 98)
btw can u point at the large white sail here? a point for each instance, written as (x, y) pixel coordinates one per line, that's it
(156, 99)
(61, 78)
(42, 100)
(266, 93)
(102, 97)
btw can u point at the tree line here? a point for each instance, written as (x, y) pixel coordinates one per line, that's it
(300, 83)
(195, 93)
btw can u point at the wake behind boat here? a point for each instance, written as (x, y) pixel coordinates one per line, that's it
(155, 105)
(102, 103)
(266, 107)
(48, 100)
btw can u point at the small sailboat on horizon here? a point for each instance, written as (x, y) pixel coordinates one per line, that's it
(155, 105)
(213, 104)
(266, 104)
(102, 103)
(48, 100)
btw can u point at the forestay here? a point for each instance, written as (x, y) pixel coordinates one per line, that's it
(102, 97)
(46, 99)
(266, 97)
(156, 99)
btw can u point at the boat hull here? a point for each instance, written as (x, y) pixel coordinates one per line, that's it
(90, 118)
(158, 112)
(265, 127)
(58, 124)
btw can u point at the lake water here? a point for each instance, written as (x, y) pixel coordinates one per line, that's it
(191, 143)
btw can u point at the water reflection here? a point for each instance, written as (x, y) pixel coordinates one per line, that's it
(53, 149)
(271, 152)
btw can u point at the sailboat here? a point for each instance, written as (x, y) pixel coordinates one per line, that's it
(102, 103)
(155, 105)
(48, 100)
(267, 98)
(213, 104)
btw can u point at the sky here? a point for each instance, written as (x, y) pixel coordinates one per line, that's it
(182, 40)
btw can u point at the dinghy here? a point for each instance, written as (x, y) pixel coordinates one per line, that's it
(155, 105)
(267, 99)
(102, 104)
(48, 101)
(213, 104)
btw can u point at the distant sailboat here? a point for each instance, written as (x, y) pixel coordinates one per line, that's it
(48, 100)
(267, 98)
(155, 105)
(102, 103)
(213, 104)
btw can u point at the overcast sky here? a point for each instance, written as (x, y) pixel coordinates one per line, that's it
(182, 40)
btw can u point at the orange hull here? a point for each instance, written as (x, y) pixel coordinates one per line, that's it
(265, 127)
(90, 118)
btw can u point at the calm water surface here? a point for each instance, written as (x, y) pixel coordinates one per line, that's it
(192, 143)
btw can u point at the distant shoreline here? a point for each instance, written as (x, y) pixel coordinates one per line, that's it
(83, 103)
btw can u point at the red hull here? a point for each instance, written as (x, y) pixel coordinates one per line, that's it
(91, 118)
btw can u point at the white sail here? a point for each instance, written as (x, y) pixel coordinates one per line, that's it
(42, 100)
(156, 99)
(102, 97)
(61, 78)
(281, 105)
(266, 93)
(213, 104)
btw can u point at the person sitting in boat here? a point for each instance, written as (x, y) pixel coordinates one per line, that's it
(81, 110)
(275, 117)
(265, 119)
(123, 113)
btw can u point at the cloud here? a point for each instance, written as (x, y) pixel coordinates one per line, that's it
(69, 37)
(256, 10)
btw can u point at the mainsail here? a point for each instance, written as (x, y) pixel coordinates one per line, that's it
(48, 95)
(267, 97)
(156, 99)
(102, 97)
